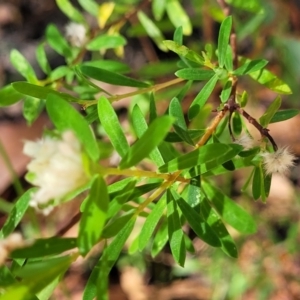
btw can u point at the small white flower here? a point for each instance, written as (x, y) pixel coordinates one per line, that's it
(76, 34)
(56, 168)
(280, 161)
(10, 243)
(245, 140)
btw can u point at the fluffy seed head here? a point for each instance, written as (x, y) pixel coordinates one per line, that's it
(278, 162)
(245, 140)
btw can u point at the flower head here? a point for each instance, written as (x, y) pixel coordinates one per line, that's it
(280, 161)
(245, 140)
(56, 168)
(76, 34)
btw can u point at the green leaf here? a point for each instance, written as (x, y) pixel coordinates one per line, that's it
(45, 247)
(201, 228)
(113, 227)
(158, 9)
(254, 6)
(111, 77)
(225, 94)
(210, 153)
(176, 238)
(215, 222)
(106, 41)
(161, 238)
(256, 183)
(42, 58)
(184, 51)
(194, 192)
(237, 124)
(6, 277)
(250, 66)
(64, 117)
(151, 223)
(107, 64)
(270, 81)
(16, 213)
(229, 211)
(32, 108)
(229, 59)
(265, 119)
(22, 65)
(202, 97)
(195, 74)
(70, 11)
(94, 216)
(91, 6)
(152, 30)
(175, 110)
(111, 125)
(223, 40)
(59, 72)
(37, 275)
(178, 35)
(9, 96)
(110, 255)
(40, 92)
(140, 127)
(282, 115)
(57, 41)
(153, 136)
(178, 16)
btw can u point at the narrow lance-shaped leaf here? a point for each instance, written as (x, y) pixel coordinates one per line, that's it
(152, 30)
(265, 119)
(151, 223)
(184, 51)
(111, 125)
(158, 8)
(57, 41)
(111, 77)
(202, 97)
(223, 40)
(176, 238)
(207, 153)
(110, 255)
(178, 16)
(283, 115)
(65, 117)
(140, 126)
(9, 96)
(16, 213)
(106, 41)
(91, 6)
(153, 136)
(36, 276)
(256, 183)
(271, 81)
(161, 238)
(215, 222)
(40, 92)
(250, 67)
(42, 58)
(44, 247)
(229, 211)
(195, 74)
(93, 217)
(70, 11)
(22, 65)
(201, 228)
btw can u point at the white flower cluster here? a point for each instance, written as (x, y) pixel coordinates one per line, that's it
(12, 242)
(245, 140)
(76, 34)
(56, 168)
(278, 162)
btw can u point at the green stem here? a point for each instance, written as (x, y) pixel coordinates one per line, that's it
(114, 98)
(16, 182)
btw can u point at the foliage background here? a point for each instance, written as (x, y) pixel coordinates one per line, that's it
(268, 265)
